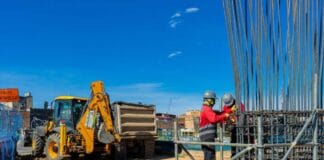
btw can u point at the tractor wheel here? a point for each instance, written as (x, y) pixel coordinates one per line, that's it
(37, 145)
(52, 147)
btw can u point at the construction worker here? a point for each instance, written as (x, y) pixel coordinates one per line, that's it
(207, 124)
(230, 108)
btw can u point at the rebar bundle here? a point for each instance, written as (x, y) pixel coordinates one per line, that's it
(277, 48)
(277, 51)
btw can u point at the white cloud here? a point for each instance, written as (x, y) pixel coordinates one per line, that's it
(176, 18)
(178, 14)
(192, 10)
(174, 23)
(174, 54)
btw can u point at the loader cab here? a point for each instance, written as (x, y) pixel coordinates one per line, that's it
(68, 109)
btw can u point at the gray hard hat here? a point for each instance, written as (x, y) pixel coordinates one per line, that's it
(209, 95)
(228, 99)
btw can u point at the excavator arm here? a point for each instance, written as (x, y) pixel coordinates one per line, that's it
(98, 105)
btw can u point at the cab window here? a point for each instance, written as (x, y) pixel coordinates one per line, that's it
(77, 109)
(63, 112)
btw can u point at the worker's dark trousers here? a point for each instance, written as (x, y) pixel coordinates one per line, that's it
(209, 150)
(233, 140)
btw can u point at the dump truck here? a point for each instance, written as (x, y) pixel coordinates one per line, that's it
(81, 126)
(136, 125)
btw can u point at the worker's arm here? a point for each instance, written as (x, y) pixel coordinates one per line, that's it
(227, 109)
(214, 117)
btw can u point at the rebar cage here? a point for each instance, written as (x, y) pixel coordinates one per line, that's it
(280, 129)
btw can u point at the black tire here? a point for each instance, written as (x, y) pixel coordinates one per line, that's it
(37, 145)
(52, 147)
(149, 146)
(120, 151)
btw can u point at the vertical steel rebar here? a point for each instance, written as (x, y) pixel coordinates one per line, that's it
(260, 136)
(221, 140)
(315, 103)
(271, 132)
(175, 139)
(277, 46)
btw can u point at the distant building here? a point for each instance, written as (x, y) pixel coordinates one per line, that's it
(24, 106)
(25, 103)
(181, 121)
(191, 119)
(164, 124)
(190, 122)
(164, 120)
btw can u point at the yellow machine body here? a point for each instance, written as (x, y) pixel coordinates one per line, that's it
(74, 130)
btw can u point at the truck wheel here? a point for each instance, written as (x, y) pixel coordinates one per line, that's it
(120, 151)
(37, 146)
(52, 147)
(149, 146)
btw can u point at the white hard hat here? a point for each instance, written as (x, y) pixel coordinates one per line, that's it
(209, 95)
(228, 99)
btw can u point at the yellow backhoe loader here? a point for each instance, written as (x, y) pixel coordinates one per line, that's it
(79, 126)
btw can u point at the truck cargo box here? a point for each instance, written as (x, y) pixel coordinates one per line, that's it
(136, 125)
(135, 120)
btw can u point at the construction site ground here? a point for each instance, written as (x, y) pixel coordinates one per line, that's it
(198, 155)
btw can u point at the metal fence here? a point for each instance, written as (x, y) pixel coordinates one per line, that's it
(274, 135)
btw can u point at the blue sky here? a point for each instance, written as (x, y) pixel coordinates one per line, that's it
(163, 52)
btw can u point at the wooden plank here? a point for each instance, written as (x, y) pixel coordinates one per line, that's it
(138, 137)
(139, 133)
(9, 95)
(133, 111)
(136, 108)
(127, 115)
(137, 120)
(128, 124)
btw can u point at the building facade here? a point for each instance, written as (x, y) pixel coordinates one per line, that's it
(23, 106)
(25, 103)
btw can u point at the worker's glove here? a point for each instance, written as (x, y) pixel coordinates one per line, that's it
(231, 119)
(227, 116)
(233, 108)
